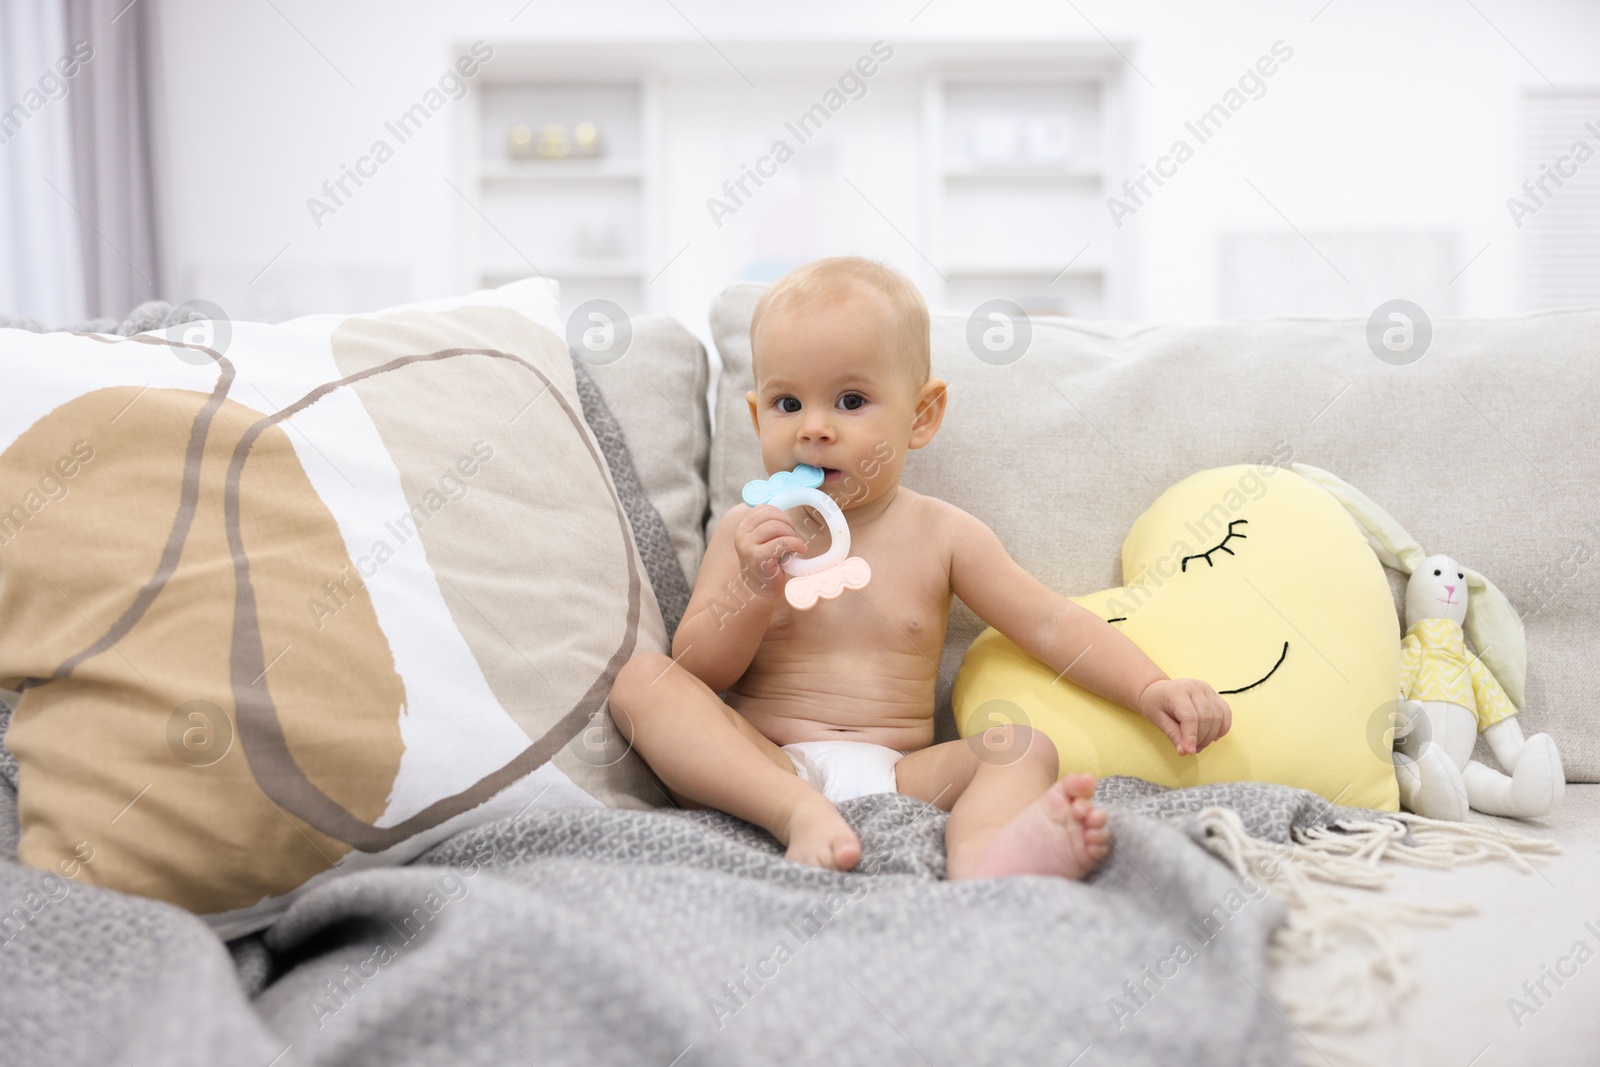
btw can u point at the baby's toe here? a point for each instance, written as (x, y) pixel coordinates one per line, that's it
(846, 852)
(1056, 801)
(1078, 785)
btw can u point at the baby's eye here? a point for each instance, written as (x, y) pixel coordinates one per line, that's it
(845, 400)
(782, 403)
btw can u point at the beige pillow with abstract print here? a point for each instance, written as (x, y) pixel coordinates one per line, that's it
(307, 598)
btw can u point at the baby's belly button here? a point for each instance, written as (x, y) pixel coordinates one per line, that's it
(791, 725)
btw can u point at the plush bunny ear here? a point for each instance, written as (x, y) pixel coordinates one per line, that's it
(1497, 633)
(1492, 623)
(1395, 548)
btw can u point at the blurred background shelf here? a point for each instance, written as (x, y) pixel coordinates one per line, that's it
(978, 169)
(1024, 173)
(1015, 166)
(560, 170)
(581, 218)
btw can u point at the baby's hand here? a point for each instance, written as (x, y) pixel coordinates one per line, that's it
(1188, 711)
(762, 539)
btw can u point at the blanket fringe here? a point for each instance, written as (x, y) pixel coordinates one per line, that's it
(1347, 854)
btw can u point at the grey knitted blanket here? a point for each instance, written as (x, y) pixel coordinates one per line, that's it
(589, 936)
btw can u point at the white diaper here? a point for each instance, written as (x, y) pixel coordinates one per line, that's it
(844, 770)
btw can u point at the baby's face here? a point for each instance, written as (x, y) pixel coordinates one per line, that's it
(832, 391)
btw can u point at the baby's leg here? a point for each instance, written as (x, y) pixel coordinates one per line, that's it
(706, 752)
(1008, 814)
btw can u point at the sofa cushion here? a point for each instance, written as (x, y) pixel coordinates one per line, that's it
(1484, 449)
(657, 391)
(310, 601)
(657, 542)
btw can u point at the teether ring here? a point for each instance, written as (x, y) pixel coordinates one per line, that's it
(825, 576)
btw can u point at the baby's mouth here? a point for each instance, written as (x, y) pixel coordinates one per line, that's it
(831, 474)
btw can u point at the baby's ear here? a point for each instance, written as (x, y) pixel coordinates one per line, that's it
(750, 398)
(929, 408)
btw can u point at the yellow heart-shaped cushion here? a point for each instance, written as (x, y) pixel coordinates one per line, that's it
(1256, 581)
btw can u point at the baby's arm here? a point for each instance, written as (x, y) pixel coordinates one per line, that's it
(1074, 641)
(722, 629)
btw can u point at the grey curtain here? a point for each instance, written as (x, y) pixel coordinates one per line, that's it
(40, 268)
(113, 173)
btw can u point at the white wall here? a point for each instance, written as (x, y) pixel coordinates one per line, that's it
(1388, 116)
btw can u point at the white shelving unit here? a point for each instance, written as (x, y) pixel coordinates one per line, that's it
(1002, 189)
(1017, 165)
(584, 221)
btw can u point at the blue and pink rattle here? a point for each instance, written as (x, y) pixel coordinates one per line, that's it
(825, 576)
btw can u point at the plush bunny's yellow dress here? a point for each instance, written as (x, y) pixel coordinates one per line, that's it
(1435, 665)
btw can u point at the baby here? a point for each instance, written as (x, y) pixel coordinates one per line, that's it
(838, 700)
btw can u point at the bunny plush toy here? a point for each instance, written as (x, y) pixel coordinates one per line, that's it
(1448, 694)
(1449, 697)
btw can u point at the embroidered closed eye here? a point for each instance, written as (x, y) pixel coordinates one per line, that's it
(1220, 546)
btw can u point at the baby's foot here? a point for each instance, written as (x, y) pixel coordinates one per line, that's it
(817, 835)
(1062, 833)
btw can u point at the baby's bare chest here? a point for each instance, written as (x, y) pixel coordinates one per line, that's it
(903, 609)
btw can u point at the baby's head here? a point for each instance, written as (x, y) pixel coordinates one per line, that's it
(840, 353)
